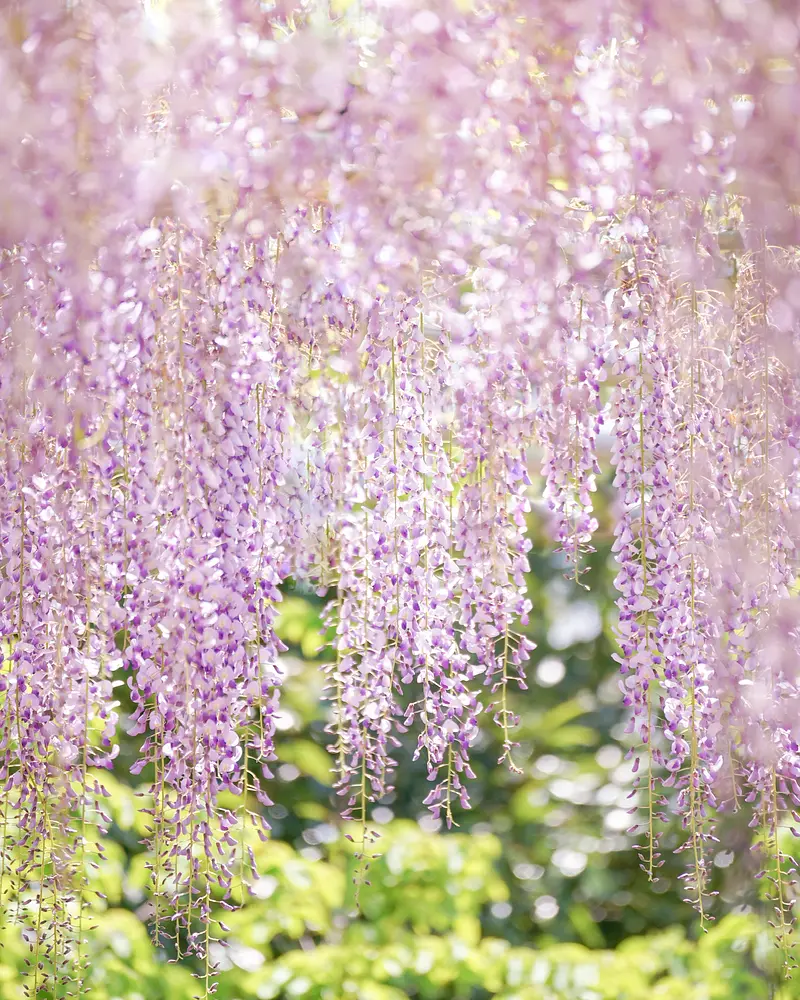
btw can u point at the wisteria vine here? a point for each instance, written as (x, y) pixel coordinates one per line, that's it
(321, 292)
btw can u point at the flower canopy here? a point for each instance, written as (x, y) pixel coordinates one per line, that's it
(318, 293)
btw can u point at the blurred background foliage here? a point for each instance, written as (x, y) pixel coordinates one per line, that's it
(537, 895)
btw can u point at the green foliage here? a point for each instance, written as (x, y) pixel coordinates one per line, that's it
(418, 934)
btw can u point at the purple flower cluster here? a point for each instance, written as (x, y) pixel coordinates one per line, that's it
(296, 297)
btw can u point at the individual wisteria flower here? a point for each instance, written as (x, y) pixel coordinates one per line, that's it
(293, 296)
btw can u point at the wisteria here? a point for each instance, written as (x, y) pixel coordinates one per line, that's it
(327, 293)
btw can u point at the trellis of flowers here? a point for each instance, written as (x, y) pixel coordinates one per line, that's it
(313, 291)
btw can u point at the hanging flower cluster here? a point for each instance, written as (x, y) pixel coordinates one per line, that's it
(291, 291)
